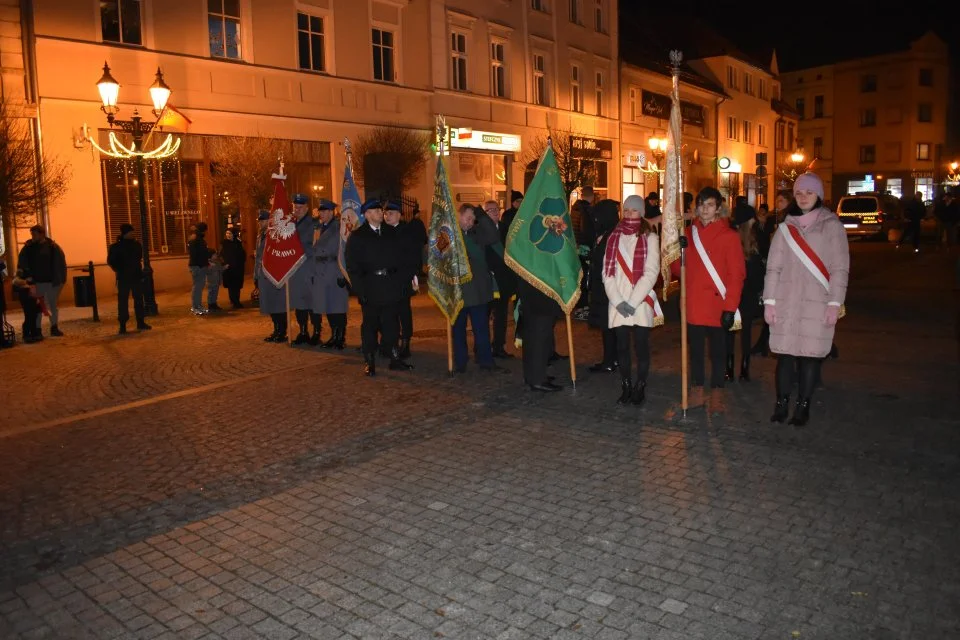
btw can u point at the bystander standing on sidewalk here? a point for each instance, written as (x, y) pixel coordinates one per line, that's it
(45, 265)
(125, 257)
(234, 260)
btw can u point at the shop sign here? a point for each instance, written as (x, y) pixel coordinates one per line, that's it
(657, 105)
(590, 148)
(464, 138)
(636, 158)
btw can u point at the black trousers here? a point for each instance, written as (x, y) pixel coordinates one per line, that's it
(279, 323)
(746, 337)
(911, 229)
(584, 300)
(609, 337)
(537, 346)
(234, 292)
(124, 289)
(697, 335)
(641, 347)
(405, 316)
(499, 309)
(379, 319)
(791, 369)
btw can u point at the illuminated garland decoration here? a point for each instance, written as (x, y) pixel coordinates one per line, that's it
(167, 148)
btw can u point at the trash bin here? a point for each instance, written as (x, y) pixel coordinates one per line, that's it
(83, 293)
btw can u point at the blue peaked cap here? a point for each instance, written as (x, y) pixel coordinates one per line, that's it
(371, 203)
(301, 198)
(326, 205)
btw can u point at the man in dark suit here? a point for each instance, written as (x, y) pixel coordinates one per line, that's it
(379, 276)
(506, 279)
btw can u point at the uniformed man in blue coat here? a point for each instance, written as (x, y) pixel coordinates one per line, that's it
(329, 293)
(272, 299)
(301, 282)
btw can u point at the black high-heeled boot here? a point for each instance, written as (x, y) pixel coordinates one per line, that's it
(626, 388)
(801, 414)
(745, 369)
(728, 376)
(639, 393)
(781, 409)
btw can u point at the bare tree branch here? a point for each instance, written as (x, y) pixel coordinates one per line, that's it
(243, 166)
(574, 172)
(411, 149)
(22, 186)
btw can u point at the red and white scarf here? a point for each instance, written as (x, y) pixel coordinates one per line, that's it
(612, 257)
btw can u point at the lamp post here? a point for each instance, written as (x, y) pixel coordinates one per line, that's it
(797, 157)
(658, 147)
(109, 90)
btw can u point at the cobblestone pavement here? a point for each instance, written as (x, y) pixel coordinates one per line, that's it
(194, 482)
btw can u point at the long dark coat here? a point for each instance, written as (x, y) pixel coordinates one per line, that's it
(328, 296)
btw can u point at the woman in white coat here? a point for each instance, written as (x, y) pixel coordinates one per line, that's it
(631, 267)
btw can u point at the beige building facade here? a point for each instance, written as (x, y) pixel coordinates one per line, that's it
(745, 125)
(312, 73)
(645, 109)
(882, 120)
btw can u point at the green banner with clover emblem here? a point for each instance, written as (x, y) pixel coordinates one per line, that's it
(540, 244)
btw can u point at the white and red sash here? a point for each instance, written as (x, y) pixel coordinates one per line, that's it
(717, 282)
(805, 253)
(651, 298)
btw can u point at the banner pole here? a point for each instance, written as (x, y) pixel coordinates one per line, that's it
(449, 348)
(573, 365)
(683, 330)
(286, 288)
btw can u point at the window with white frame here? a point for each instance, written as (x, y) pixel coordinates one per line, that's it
(576, 12)
(600, 89)
(634, 105)
(598, 17)
(923, 151)
(748, 84)
(747, 131)
(223, 23)
(383, 55)
(762, 89)
(458, 60)
(120, 21)
(761, 135)
(498, 69)
(732, 80)
(539, 79)
(732, 130)
(576, 92)
(310, 42)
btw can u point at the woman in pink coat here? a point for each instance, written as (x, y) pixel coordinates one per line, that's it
(804, 289)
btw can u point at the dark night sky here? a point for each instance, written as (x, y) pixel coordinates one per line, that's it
(804, 33)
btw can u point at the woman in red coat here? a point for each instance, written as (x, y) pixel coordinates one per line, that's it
(712, 300)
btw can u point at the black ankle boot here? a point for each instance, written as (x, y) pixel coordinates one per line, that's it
(728, 376)
(397, 363)
(370, 366)
(341, 338)
(781, 410)
(604, 367)
(405, 348)
(332, 342)
(302, 338)
(801, 415)
(639, 393)
(626, 388)
(745, 370)
(315, 338)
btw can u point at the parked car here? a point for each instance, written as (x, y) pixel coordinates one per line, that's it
(863, 214)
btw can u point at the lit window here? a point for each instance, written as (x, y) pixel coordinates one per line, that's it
(600, 87)
(923, 151)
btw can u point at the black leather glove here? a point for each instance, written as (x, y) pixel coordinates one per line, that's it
(341, 282)
(726, 319)
(683, 241)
